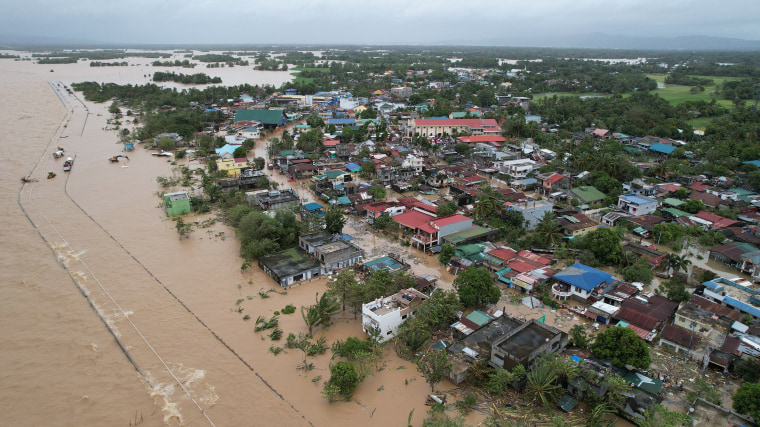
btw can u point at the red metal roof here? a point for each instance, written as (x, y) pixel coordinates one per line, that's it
(553, 178)
(717, 220)
(699, 186)
(503, 253)
(448, 220)
(416, 220)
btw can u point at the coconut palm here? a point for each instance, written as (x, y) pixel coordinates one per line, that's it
(548, 230)
(675, 263)
(542, 383)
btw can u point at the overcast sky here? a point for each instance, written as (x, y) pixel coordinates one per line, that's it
(373, 22)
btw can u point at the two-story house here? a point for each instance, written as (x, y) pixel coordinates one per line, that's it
(636, 205)
(387, 314)
(579, 282)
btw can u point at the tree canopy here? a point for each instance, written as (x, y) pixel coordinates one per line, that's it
(475, 287)
(623, 346)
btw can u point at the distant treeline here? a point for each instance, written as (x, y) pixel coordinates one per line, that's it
(198, 79)
(109, 64)
(214, 57)
(682, 79)
(68, 60)
(98, 54)
(7, 56)
(176, 63)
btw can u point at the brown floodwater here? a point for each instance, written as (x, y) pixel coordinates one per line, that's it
(109, 318)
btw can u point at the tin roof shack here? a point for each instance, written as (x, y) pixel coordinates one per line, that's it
(389, 313)
(289, 266)
(390, 262)
(645, 314)
(337, 255)
(267, 200)
(524, 344)
(476, 345)
(177, 203)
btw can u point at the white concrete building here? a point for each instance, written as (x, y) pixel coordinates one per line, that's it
(518, 169)
(388, 313)
(636, 205)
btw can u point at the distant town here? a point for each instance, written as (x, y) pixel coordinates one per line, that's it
(621, 193)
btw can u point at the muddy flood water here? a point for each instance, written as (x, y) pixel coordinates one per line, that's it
(108, 318)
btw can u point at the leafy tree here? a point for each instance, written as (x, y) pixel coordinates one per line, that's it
(343, 381)
(416, 340)
(637, 273)
(240, 152)
(315, 121)
(259, 163)
(114, 108)
(439, 310)
(343, 284)
(692, 206)
(675, 290)
(748, 369)
(377, 191)
(312, 223)
(604, 243)
(446, 209)
(500, 379)
(434, 366)
(334, 220)
(368, 169)
(447, 252)
(579, 337)
(623, 346)
(475, 287)
(386, 222)
(747, 399)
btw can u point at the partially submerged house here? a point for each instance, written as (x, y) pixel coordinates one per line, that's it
(177, 203)
(387, 314)
(524, 344)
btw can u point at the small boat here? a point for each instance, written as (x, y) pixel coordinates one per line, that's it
(67, 164)
(163, 154)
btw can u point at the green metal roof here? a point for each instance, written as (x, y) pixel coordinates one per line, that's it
(673, 202)
(333, 174)
(588, 193)
(676, 212)
(478, 317)
(643, 382)
(567, 403)
(462, 236)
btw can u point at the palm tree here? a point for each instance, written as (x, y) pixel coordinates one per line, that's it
(676, 263)
(548, 229)
(416, 340)
(542, 383)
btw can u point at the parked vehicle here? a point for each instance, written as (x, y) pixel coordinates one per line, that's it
(67, 164)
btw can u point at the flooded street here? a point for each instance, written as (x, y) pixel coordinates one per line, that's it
(109, 318)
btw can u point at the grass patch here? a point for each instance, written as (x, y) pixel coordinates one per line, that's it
(550, 94)
(676, 94)
(701, 123)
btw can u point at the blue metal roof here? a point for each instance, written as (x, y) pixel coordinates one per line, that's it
(717, 287)
(742, 306)
(659, 147)
(638, 200)
(312, 206)
(583, 276)
(353, 167)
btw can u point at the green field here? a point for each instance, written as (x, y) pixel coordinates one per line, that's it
(550, 94)
(676, 94)
(700, 123)
(298, 78)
